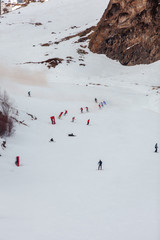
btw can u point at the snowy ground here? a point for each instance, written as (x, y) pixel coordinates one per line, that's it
(57, 192)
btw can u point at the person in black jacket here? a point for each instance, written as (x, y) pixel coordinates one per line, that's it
(156, 147)
(100, 165)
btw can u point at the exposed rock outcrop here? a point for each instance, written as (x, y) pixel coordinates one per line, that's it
(129, 31)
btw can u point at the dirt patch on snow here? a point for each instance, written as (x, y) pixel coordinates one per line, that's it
(22, 76)
(52, 62)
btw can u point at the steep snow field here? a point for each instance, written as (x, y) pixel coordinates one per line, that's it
(57, 193)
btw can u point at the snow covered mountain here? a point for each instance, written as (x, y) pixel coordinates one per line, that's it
(57, 192)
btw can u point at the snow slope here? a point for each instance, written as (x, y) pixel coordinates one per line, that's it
(57, 192)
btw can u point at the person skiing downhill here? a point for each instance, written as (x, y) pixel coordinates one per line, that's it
(65, 112)
(99, 106)
(60, 115)
(95, 100)
(86, 109)
(100, 165)
(29, 93)
(81, 110)
(73, 118)
(156, 147)
(88, 121)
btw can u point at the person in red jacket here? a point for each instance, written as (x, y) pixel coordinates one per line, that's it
(65, 112)
(81, 110)
(88, 121)
(60, 115)
(86, 109)
(73, 118)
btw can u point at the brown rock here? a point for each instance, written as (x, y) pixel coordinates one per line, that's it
(129, 31)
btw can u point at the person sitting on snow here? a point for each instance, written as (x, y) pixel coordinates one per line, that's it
(71, 135)
(51, 140)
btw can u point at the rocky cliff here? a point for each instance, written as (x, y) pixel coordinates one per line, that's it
(129, 31)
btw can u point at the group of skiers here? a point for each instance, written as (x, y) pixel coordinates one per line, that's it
(101, 104)
(87, 110)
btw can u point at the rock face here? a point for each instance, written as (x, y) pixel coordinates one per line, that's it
(129, 31)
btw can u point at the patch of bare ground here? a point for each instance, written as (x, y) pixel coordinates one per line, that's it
(81, 51)
(82, 36)
(83, 46)
(156, 88)
(50, 63)
(46, 44)
(36, 24)
(69, 59)
(98, 84)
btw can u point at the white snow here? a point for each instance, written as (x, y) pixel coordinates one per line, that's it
(57, 192)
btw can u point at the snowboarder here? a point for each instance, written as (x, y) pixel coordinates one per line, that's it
(73, 118)
(29, 93)
(88, 121)
(81, 110)
(65, 112)
(95, 100)
(100, 165)
(156, 147)
(60, 115)
(86, 109)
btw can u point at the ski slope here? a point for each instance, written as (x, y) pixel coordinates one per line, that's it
(57, 192)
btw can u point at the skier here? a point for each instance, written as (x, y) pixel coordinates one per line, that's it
(156, 147)
(53, 120)
(99, 106)
(86, 109)
(29, 93)
(60, 115)
(73, 118)
(3, 145)
(65, 112)
(102, 104)
(81, 110)
(17, 161)
(88, 121)
(95, 100)
(100, 165)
